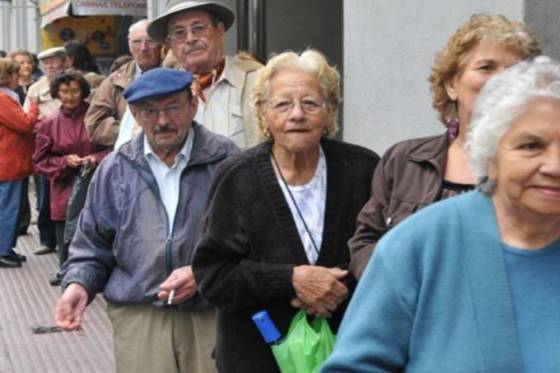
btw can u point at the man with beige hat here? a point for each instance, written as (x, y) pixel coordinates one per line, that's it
(195, 31)
(52, 62)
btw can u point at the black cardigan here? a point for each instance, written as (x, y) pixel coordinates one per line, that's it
(250, 244)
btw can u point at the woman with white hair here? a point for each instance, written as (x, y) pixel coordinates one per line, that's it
(279, 215)
(469, 284)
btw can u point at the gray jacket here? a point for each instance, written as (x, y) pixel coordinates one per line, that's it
(122, 245)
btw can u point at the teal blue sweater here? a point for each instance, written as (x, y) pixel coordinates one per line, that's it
(434, 298)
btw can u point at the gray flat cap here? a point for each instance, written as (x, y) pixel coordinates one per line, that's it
(158, 27)
(53, 52)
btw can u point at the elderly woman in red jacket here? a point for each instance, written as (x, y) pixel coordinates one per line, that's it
(16, 148)
(62, 146)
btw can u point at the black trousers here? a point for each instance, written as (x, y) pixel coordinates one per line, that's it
(24, 216)
(46, 226)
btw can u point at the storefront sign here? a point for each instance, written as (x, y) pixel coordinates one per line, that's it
(52, 10)
(109, 7)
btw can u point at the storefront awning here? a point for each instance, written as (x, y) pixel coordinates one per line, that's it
(52, 10)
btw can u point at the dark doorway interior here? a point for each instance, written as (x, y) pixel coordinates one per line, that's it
(267, 27)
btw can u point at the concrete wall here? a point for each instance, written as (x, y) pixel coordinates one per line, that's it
(543, 16)
(389, 47)
(231, 35)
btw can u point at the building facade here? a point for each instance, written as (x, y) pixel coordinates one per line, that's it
(384, 49)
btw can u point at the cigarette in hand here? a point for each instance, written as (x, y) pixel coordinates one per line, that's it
(170, 298)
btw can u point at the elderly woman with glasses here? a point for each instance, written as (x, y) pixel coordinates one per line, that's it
(279, 214)
(470, 283)
(62, 147)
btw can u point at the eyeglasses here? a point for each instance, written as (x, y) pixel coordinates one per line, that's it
(151, 114)
(308, 105)
(180, 34)
(73, 92)
(138, 42)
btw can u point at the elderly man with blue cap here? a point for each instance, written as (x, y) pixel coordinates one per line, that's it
(138, 229)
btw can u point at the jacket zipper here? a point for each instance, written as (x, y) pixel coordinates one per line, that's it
(169, 235)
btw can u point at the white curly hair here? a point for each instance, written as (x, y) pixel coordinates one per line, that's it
(311, 61)
(502, 100)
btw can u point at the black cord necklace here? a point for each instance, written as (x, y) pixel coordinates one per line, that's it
(294, 202)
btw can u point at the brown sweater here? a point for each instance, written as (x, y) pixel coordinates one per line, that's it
(409, 177)
(108, 106)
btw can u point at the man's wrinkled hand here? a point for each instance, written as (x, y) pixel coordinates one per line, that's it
(182, 281)
(70, 307)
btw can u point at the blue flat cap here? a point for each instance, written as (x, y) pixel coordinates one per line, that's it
(156, 83)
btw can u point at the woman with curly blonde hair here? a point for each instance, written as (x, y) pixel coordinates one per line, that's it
(415, 173)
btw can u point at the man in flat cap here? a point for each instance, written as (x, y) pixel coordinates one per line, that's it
(138, 229)
(52, 62)
(108, 106)
(194, 31)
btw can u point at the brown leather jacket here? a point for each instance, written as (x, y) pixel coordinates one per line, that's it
(408, 177)
(108, 106)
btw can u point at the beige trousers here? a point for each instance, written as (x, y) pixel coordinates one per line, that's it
(162, 340)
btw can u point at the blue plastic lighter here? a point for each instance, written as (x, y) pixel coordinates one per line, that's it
(266, 326)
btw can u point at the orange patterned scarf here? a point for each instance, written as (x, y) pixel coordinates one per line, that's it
(204, 81)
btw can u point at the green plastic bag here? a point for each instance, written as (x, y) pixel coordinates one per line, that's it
(306, 346)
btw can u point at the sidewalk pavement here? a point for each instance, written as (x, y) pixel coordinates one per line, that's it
(27, 300)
